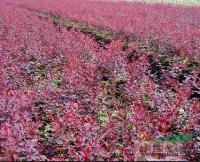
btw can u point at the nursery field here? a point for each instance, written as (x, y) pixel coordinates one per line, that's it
(99, 81)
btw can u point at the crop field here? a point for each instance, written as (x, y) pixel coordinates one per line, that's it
(85, 80)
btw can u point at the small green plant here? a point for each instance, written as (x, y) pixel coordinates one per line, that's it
(44, 16)
(102, 118)
(87, 29)
(145, 99)
(114, 114)
(116, 154)
(56, 21)
(58, 79)
(45, 131)
(103, 37)
(39, 71)
(68, 24)
(57, 111)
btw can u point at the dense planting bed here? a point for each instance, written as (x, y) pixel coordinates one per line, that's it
(85, 80)
(175, 25)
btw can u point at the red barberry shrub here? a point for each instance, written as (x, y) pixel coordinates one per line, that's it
(75, 92)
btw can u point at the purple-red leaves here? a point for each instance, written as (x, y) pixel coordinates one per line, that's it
(66, 96)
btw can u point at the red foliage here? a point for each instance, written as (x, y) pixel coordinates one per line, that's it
(64, 97)
(177, 25)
